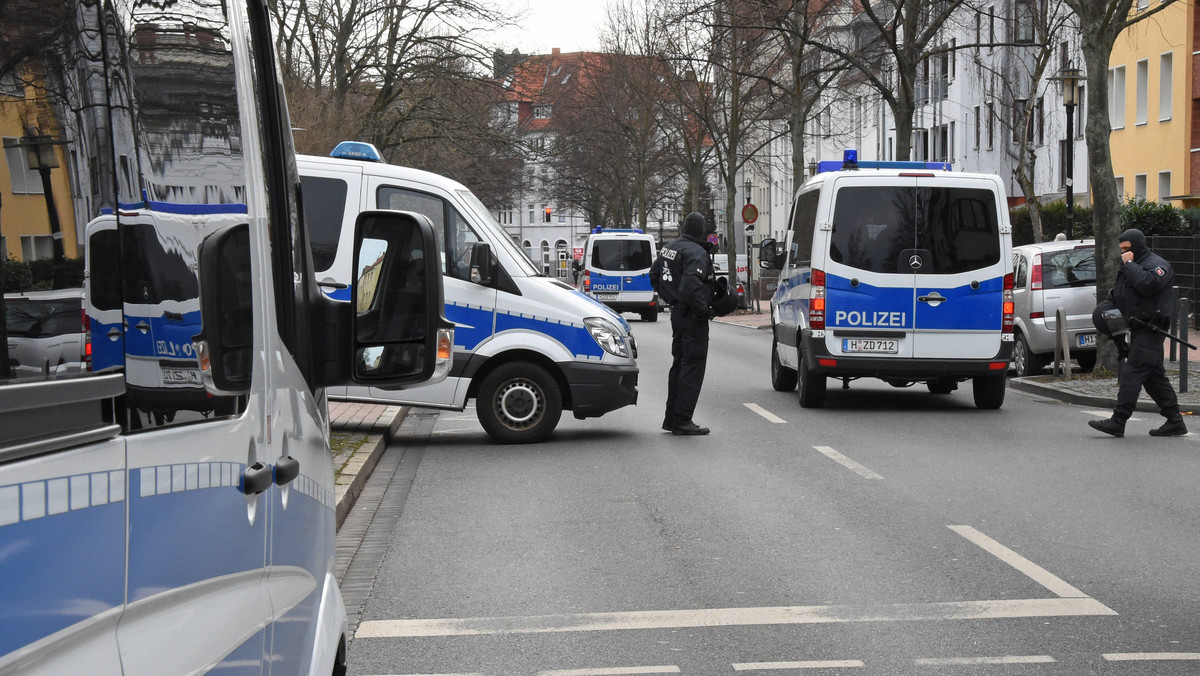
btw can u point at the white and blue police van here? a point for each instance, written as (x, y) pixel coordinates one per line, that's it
(144, 535)
(526, 346)
(616, 270)
(900, 271)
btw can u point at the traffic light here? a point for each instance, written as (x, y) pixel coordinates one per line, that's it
(547, 210)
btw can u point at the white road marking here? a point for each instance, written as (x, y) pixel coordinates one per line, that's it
(1035, 572)
(733, 617)
(771, 417)
(613, 671)
(1150, 657)
(964, 661)
(847, 462)
(470, 674)
(810, 664)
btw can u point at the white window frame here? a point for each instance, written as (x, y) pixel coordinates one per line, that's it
(24, 181)
(1116, 97)
(1139, 186)
(1143, 92)
(37, 247)
(1166, 84)
(1120, 181)
(1164, 186)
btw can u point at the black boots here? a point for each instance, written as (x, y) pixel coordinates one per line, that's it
(1109, 426)
(1171, 428)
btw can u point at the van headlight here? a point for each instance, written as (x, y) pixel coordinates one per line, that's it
(607, 335)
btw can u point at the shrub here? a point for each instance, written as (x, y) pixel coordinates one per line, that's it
(17, 275)
(1054, 221)
(1191, 216)
(1153, 218)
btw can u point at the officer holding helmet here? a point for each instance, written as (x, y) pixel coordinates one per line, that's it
(683, 277)
(1142, 293)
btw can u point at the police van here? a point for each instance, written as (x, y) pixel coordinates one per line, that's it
(616, 270)
(526, 346)
(141, 537)
(897, 271)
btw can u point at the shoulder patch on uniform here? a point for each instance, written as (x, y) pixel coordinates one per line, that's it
(1159, 271)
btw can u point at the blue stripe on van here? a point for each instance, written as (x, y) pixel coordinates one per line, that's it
(575, 339)
(189, 209)
(472, 325)
(867, 306)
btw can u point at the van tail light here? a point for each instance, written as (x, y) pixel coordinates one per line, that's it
(587, 284)
(1009, 307)
(1035, 275)
(816, 300)
(87, 341)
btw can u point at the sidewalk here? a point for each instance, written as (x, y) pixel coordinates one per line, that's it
(359, 433)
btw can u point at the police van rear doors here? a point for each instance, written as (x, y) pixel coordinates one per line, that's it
(915, 267)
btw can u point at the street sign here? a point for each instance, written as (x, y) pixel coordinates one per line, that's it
(712, 239)
(578, 253)
(749, 213)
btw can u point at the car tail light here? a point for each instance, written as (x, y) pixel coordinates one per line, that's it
(816, 300)
(87, 341)
(1036, 273)
(1009, 308)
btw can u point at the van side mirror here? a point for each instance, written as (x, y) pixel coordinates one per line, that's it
(483, 268)
(225, 344)
(398, 336)
(768, 258)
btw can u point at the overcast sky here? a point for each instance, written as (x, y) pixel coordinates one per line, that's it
(571, 25)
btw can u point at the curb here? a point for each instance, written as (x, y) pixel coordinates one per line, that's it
(358, 469)
(1096, 401)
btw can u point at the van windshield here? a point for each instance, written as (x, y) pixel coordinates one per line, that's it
(620, 254)
(876, 228)
(503, 239)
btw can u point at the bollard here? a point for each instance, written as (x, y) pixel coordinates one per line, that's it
(1062, 342)
(1174, 323)
(1184, 321)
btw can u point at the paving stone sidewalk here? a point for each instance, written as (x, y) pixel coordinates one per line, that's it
(359, 434)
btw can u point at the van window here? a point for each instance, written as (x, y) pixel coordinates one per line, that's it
(104, 273)
(455, 235)
(324, 210)
(956, 227)
(1073, 267)
(155, 273)
(804, 222)
(621, 254)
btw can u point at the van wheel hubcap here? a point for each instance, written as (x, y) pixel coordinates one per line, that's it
(519, 402)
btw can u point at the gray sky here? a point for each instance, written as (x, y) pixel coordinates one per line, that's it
(571, 25)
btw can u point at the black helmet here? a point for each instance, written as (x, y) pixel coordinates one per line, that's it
(693, 226)
(724, 300)
(1108, 320)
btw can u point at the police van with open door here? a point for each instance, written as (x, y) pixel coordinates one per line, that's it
(897, 271)
(139, 536)
(526, 346)
(616, 270)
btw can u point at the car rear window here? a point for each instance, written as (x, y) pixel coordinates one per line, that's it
(621, 254)
(29, 318)
(877, 228)
(1072, 267)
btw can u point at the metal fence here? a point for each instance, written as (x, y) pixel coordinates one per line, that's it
(1182, 254)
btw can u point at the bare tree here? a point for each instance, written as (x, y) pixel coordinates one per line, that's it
(1101, 22)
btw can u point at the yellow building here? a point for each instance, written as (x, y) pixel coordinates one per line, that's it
(24, 216)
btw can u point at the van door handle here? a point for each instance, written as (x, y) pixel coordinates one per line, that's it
(143, 327)
(935, 299)
(114, 333)
(256, 479)
(286, 469)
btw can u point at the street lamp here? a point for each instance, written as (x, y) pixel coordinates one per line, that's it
(41, 157)
(749, 251)
(1069, 79)
(812, 168)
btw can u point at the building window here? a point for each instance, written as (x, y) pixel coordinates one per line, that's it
(532, 215)
(1022, 124)
(976, 126)
(1120, 181)
(920, 145)
(542, 112)
(25, 181)
(992, 25)
(1116, 96)
(35, 247)
(1062, 165)
(1143, 88)
(1081, 112)
(991, 124)
(1024, 15)
(1166, 76)
(11, 86)
(1164, 186)
(1139, 186)
(1039, 113)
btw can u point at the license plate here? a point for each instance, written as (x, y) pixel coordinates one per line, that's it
(606, 296)
(181, 376)
(871, 345)
(1087, 340)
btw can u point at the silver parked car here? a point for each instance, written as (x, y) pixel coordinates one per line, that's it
(1048, 276)
(47, 332)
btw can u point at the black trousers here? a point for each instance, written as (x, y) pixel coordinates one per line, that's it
(1144, 368)
(689, 356)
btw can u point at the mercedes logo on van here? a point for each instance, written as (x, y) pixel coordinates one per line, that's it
(915, 262)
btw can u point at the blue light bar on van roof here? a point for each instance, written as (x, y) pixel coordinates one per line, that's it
(600, 228)
(834, 165)
(357, 150)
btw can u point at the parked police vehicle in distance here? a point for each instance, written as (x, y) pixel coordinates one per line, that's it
(616, 270)
(140, 534)
(526, 346)
(897, 271)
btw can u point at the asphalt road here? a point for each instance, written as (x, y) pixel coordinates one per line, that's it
(892, 532)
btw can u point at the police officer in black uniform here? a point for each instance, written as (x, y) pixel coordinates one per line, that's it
(1142, 292)
(683, 276)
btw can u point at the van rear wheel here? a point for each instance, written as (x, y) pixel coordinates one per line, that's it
(650, 316)
(989, 391)
(810, 387)
(783, 379)
(519, 403)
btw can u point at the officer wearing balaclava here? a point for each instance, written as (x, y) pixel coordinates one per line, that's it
(683, 276)
(1143, 293)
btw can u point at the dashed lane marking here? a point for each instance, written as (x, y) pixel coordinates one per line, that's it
(806, 664)
(1150, 657)
(847, 462)
(967, 661)
(1032, 570)
(771, 417)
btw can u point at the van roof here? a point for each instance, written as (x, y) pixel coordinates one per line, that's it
(936, 174)
(386, 169)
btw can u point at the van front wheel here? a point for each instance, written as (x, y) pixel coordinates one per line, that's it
(519, 403)
(989, 391)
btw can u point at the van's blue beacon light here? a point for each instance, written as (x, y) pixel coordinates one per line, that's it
(850, 158)
(357, 150)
